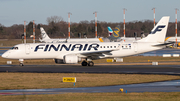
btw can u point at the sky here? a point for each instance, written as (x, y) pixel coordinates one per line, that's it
(17, 11)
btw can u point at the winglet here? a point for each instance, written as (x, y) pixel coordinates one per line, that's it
(101, 40)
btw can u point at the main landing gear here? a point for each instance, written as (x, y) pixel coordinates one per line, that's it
(21, 62)
(89, 63)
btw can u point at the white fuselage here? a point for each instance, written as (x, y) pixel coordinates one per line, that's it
(59, 50)
(71, 40)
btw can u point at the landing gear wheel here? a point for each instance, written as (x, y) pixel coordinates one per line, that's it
(21, 64)
(84, 63)
(90, 63)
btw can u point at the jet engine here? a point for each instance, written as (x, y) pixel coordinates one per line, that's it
(59, 61)
(71, 59)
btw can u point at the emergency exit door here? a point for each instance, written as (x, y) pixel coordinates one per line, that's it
(27, 49)
(135, 46)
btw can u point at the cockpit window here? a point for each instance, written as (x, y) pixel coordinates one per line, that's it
(14, 48)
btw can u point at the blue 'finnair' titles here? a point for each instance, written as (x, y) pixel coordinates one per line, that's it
(70, 47)
(158, 28)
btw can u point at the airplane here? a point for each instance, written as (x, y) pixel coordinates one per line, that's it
(167, 40)
(46, 39)
(124, 38)
(173, 39)
(112, 37)
(69, 53)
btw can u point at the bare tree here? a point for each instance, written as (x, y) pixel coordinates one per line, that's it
(54, 19)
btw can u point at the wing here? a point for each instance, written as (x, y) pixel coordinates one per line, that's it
(95, 54)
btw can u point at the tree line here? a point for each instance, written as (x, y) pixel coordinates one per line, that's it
(58, 28)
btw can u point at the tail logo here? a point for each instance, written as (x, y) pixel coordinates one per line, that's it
(43, 35)
(159, 28)
(116, 32)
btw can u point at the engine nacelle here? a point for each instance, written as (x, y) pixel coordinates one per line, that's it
(71, 59)
(59, 61)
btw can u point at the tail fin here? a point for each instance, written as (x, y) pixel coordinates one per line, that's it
(115, 34)
(44, 34)
(110, 31)
(158, 33)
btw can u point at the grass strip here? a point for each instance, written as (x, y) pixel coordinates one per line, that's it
(147, 96)
(54, 80)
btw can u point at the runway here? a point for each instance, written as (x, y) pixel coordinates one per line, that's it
(138, 69)
(166, 86)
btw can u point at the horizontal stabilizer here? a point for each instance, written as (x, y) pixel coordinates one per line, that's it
(165, 44)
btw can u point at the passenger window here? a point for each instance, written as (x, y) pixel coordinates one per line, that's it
(111, 46)
(100, 46)
(114, 46)
(107, 46)
(104, 47)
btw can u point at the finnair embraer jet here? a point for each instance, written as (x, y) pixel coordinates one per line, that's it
(46, 39)
(86, 52)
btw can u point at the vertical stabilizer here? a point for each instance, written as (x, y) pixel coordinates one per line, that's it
(110, 31)
(44, 34)
(115, 35)
(158, 33)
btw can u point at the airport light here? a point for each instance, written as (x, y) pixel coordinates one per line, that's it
(69, 24)
(95, 24)
(124, 20)
(154, 16)
(25, 32)
(33, 32)
(176, 24)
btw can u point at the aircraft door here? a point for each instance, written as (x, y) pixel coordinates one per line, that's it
(27, 49)
(135, 46)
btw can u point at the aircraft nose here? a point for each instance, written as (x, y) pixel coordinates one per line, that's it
(5, 55)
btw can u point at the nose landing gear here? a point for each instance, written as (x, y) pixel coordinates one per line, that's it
(21, 62)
